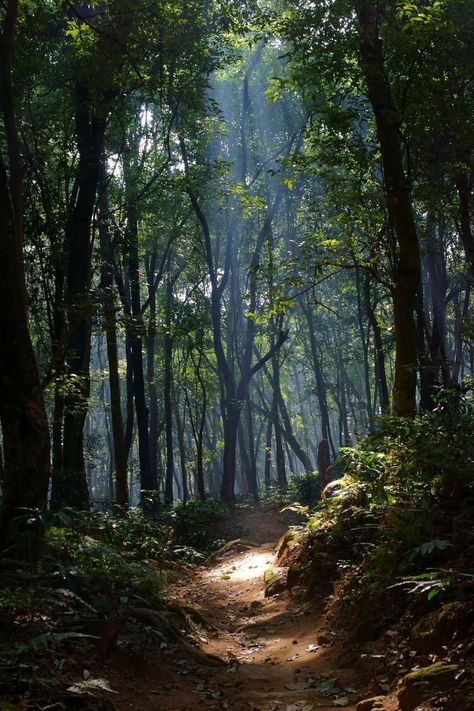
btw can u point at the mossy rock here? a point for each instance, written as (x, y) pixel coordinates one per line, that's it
(275, 580)
(425, 683)
(437, 629)
(286, 544)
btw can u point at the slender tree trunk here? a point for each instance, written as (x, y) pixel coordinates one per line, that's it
(427, 372)
(180, 424)
(461, 315)
(136, 330)
(380, 373)
(399, 207)
(151, 375)
(70, 484)
(168, 355)
(129, 410)
(253, 482)
(438, 285)
(279, 452)
(318, 374)
(110, 322)
(268, 453)
(198, 426)
(364, 339)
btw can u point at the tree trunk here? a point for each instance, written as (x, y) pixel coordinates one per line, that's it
(110, 322)
(70, 485)
(136, 330)
(318, 375)
(438, 284)
(168, 354)
(253, 483)
(279, 451)
(364, 339)
(22, 413)
(380, 374)
(399, 208)
(231, 424)
(182, 451)
(151, 378)
(268, 453)
(324, 461)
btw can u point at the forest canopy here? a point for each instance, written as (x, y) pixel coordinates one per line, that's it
(234, 238)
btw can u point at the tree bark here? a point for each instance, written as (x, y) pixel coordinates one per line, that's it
(167, 366)
(70, 485)
(110, 322)
(399, 206)
(135, 328)
(380, 373)
(26, 445)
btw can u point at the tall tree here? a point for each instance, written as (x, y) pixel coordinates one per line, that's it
(26, 463)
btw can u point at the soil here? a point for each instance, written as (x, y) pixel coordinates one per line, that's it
(255, 654)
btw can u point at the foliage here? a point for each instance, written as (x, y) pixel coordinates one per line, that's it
(397, 487)
(202, 524)
(275, 493)
(305, 488)
(96, 569)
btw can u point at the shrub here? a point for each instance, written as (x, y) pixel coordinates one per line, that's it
(199, 523)
(305, 488)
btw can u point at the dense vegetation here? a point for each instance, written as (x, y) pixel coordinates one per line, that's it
(237, 230)
(237, 262)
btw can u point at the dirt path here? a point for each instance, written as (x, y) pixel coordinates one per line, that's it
(262, 655)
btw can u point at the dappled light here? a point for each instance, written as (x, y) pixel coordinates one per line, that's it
(236, 355)
(248, 567)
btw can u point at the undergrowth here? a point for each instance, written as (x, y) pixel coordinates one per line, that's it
(392, 540)
(99, 571)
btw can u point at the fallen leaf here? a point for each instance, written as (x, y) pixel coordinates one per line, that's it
(90, 685)
(340, 701)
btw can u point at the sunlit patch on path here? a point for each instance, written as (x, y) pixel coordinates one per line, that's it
(254, 653)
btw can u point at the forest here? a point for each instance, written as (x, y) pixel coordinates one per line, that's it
(237, 354)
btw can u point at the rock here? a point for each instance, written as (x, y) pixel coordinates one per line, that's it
(424, 683)
(286, 544)
(275, 581)
(376, 703)
(436, 629)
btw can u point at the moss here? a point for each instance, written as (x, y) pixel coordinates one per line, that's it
(438, 627)
(275, 581)
(286, 544)
(426, 682)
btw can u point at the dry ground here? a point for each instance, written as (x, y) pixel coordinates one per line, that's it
(261, 654)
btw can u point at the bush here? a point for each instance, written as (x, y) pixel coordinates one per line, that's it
(200, 523)
(305, 488)
(405, 490)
